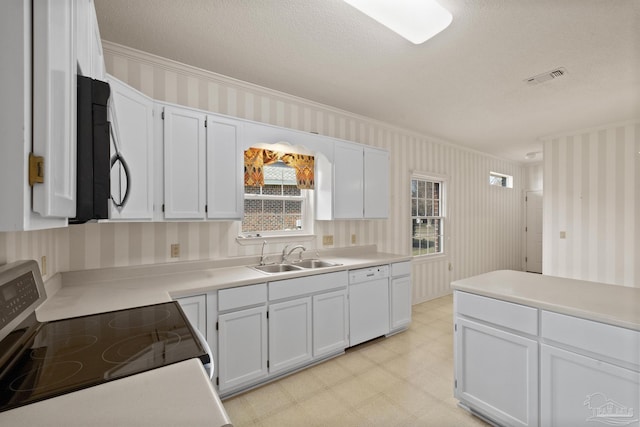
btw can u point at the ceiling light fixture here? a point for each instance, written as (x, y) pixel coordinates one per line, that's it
(531, 155)
(416, 21)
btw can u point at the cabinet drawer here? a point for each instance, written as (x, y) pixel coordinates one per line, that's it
(307, 285)
(513, 316)
(607, 340)
(243, 296)
(400, 268)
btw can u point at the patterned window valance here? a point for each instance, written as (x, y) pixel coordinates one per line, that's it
(256, 158)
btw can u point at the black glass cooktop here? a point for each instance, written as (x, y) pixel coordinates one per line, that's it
(71, 354)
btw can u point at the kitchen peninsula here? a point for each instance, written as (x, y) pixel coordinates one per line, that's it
(535, 350)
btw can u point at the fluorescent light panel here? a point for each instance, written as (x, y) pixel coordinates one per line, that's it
(415, 20)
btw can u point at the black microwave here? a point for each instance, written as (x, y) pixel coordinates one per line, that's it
(93, 190)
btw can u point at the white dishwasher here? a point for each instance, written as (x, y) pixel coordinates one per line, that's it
(368, 303)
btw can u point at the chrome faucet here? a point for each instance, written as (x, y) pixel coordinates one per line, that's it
(285, 254)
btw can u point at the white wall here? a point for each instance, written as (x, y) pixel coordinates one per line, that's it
(483, 226)
(592, 192)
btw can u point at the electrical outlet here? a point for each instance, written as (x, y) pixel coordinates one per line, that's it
(353, 239)
(450, 267)
(327, 239)
(563, 234)
(175, 250)
(43, 265)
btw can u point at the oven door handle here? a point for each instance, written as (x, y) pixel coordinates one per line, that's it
(208, 367)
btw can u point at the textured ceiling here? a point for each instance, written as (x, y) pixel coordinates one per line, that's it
(465, 85)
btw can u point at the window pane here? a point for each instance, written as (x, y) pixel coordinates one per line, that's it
(414, 207)
(421, 189)
(251, 190)
(436, 208)
(436, 190)
(293, 206)
(429, 208)
(414, 188)
(429, 190)
(421, 207)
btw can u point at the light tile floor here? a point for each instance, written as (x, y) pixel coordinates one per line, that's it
(403, 380)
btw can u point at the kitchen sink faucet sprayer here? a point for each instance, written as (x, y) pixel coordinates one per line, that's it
(264, 242)
(285, 254)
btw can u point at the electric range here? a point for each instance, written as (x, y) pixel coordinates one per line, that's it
(43, 360)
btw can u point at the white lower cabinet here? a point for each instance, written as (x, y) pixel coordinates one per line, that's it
(290, 334)
(330, 323)
(242, 347)
(576, 390)
(497, 373)
(400, 296)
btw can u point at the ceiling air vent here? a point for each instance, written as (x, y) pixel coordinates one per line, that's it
(549, 75)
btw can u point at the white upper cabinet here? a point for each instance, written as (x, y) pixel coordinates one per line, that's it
(89, 44)
(225, 168)
(355, 185)
(376, 183)
(16, 120)
(132, 132)
(184, 163)
(348, 176)
(54, 106)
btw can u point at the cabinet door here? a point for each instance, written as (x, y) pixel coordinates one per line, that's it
(400, 305)
(576, 390)
(132, 124)
(54, 106)
(376, 183)
(225, 179)
(368, 310)
(242, 347)
(496, 373)
(348, 176)
(330, 323)
(195, 308)
(289, 334)
(184, 164)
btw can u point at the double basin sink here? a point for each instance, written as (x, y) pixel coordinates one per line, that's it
(294, 266)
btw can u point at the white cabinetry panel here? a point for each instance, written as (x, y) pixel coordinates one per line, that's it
(184, 164)
(225, 169)
(497, 373)
(242, 349)
(132, 122)
(376, 183)
(348, 178)
(400, 302)
(54, 106)
(368, 310)
(576, 390)
(289, 334)
(195, 308)
(330, 323)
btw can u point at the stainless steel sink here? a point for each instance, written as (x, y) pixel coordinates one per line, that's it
(314, 263)
(276, 268)
(295, 266)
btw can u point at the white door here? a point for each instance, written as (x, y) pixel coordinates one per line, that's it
(400, 306)
(225, 169)
(289, 334)
(496, 373)
(242, 347)
(54, 106)
(184, 164)
(195, 308)
(330, 323)
(132, 126)
(376, 183)
(578, 391)
(533, 231)
(348, 177)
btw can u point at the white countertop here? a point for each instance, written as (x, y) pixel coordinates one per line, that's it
(179, 394)
(152, 398)
(96, 291)
(612, 304)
